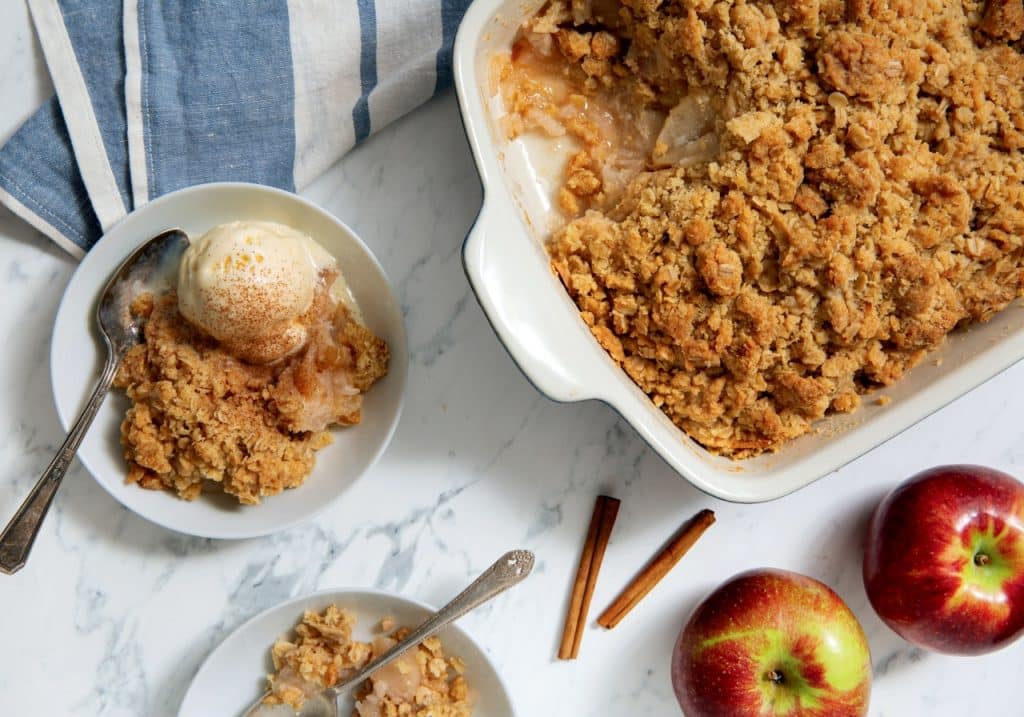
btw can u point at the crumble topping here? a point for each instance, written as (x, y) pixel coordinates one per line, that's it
(776, 207)
(201, 419)
(421, 683)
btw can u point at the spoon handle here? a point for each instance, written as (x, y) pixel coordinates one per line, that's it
(509, 569)
(17, 538)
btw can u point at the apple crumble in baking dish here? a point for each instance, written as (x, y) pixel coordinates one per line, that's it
(774, 207)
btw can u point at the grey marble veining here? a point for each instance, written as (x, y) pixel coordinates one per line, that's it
(113, 615)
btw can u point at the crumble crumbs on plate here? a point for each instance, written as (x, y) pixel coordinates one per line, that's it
(775, 207)
(421, 683)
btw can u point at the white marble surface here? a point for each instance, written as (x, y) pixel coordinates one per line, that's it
(113, 615)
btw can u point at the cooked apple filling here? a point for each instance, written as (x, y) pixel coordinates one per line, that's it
(774, 207)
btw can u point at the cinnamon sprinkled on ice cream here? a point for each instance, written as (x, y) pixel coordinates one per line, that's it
(248, 284)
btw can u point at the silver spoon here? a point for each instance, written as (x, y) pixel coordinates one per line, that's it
(509, 569)
(141, 271)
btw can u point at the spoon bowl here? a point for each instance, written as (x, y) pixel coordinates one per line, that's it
(150, 268)
(317, 705)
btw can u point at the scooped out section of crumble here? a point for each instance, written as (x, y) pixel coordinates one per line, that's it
(792, 203)
(423, 682)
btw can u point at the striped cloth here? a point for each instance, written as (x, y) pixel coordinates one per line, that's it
(155, 95)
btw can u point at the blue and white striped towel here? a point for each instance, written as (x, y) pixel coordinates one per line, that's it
(155, 95)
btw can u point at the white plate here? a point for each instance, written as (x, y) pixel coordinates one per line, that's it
(534, 317)
(233, 676)
(77, 354)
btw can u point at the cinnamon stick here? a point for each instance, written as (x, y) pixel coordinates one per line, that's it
(602, 521)
(657, 569)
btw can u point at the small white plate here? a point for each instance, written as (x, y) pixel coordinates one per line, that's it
(77, 355)
(234, 675)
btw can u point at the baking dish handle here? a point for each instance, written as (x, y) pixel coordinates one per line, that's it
(527, 306)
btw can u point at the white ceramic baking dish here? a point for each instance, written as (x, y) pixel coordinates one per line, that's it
(538, 323)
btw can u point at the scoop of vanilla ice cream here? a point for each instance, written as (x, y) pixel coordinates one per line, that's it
(247, 283)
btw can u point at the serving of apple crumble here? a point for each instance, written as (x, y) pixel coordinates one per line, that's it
(420, 683)
(775, 207)
(202, 419)
(245, 366)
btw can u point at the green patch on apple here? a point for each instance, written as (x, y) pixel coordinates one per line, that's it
(784, 684)
(987, 566)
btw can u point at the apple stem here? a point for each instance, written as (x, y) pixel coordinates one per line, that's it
(981, 559)
(775, 676)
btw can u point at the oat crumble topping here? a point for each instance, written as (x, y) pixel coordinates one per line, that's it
(421, 683)
(776, 207)
(201, 419)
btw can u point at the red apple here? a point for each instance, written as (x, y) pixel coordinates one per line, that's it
(771, 642)
(944, 563)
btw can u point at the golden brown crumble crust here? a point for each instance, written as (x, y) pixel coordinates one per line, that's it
(863, 197)
(202, 419)
(323, 653)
